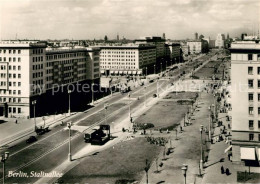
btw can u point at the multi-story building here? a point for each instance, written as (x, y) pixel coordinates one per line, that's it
(245, 95)
(219, 42)
(128, 59)
(197, 46)
(173, 51)
(31, 72)
(157, 41)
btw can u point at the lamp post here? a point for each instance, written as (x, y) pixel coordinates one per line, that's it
(145, 71)
(34, 104)
(129, 107)
(105, 108)
(146, 170)
(145, 96)
(154, 67)
(157, 88)
(184, 171)
(201, 158)
(69, 91)
(161, 67)
(4, 157)
(69, 124)
(92, 92)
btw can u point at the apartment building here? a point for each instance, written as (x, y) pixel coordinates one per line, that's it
(245, 95)
(157, 41)
(30, 72)
(128, 59)
(219, 42)
(173, 52)
(197, 46)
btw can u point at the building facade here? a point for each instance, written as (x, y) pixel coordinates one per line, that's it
(245, 95)
(29, 71)
(173, 51)
(197, 46)
(128, 59)
(219, 42)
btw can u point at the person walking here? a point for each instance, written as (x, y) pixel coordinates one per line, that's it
(16, 122)
(227, 172)
(222, 169)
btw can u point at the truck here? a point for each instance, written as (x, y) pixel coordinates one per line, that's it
(98, 136)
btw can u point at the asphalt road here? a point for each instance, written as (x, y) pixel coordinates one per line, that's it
(51, 149)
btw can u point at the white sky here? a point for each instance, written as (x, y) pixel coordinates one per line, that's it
(88, 19)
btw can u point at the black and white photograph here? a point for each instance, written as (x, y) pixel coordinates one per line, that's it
(129, 91)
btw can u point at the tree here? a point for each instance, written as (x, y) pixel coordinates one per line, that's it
(105, 38)
(201, 37)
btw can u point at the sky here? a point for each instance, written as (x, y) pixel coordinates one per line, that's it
(89, 19)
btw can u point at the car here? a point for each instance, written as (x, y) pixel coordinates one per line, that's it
(31, 139)
(154, 95)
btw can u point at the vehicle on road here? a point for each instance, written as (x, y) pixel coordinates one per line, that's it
(41, 130)
(98, 136)
(154, 95)
(31, 139)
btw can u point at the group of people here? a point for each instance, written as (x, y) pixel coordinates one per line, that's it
(161, 141)
(223, 171)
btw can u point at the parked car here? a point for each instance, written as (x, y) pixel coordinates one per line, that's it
(154, 95)
(31, 139)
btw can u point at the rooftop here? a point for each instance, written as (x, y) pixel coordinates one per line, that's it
(245, 45)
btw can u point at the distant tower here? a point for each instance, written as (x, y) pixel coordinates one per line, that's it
(117, 37)
(196, 36)
(243, 36)
(105, 38)
(164, 37)
(227, 36)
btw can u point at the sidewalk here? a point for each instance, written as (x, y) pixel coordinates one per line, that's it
(212, 171)
(186, 150)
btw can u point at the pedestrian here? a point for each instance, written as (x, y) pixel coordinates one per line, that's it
(16, 121)
(222, 169)
(227, 172)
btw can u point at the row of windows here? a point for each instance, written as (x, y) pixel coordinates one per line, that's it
(57, 56)
(3, 67)
(117, 52)
(251, 83)
(251, 110)
(251, 96)
(10, 59)
(38, 59)
(129, 56)
(37, 74)
(10, 92)
(38, 67)
(117, 59)
(37, 51)
(251, 137)
(251, 72)
(118, 67)
(10, 51)
(13, 110)
(10, 100)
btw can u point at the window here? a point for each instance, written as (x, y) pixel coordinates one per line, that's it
(251, 110)
(258, 57)
(258, 83)
(258, 137)
(19, 76)
(258, 110)
(250, 83)
(258, 70)
(19, 59)
(19, 51)
(14, 110)
(19, 110)
(250, 70)
(250, 57)
(251, 137)
(250, 96)
(251, 123)
(19, 84)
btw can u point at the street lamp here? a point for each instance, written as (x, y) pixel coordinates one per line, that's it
(201, 158)
(69, 91)
(34, 104)
(145, 96)
(4, 157)
(92, 94)
(161, 67)
(69, 124)
(146, 71)
(129, 107)
(105, 108)
(154, 69)
(184, 171)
